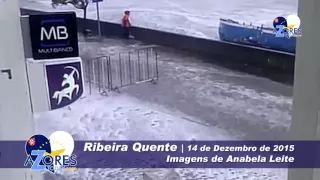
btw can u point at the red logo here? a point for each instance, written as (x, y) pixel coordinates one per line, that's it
(32, 141)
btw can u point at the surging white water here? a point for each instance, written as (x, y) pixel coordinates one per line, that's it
(189, 17)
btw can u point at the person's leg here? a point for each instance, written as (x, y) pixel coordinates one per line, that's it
(126, 32)
(129, 33)
(123, 31)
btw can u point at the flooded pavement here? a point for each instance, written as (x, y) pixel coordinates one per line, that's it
(246, 106)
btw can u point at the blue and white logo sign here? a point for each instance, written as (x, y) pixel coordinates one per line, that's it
(287, 27)
(54, 35)
(51, 154)
(65, 83)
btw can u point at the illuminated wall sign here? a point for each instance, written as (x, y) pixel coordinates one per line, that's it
(54, 35)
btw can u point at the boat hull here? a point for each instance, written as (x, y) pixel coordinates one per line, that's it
(232, 31)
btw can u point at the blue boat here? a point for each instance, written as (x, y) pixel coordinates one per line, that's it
(233, 31)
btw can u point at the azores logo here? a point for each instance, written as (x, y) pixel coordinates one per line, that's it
(51, 154)
(287, 27)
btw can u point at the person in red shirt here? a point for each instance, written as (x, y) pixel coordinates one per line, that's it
(126, 24)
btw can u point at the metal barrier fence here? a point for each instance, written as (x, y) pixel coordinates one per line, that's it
(111, 72)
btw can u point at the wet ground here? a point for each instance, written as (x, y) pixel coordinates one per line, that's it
(193, 99)
(246, 106)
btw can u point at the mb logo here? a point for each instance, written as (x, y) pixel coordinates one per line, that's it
(54, 35)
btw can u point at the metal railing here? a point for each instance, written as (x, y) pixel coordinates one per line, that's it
(111, 72)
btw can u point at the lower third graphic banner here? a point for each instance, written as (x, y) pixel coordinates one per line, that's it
(168, 154)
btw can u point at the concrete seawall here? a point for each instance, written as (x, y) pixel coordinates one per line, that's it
(275, 65)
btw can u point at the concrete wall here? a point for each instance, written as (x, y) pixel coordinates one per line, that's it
(275, 65)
